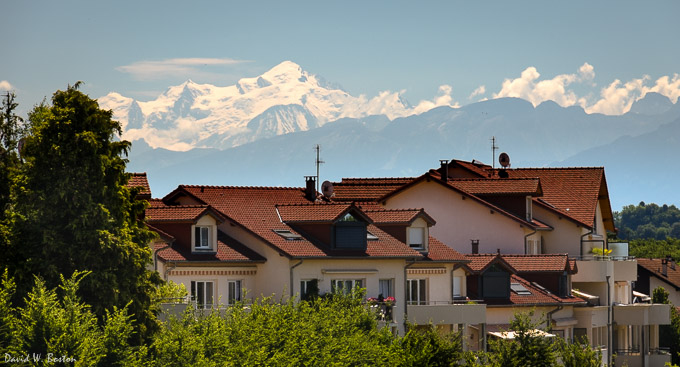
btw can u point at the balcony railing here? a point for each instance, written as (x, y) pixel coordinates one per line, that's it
(447, 312)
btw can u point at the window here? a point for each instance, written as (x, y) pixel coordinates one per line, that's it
(202, 293)
(417, 292)
(533, 247)
(288, 235)
(345, 286)
(416, 237)
(495, 283)
(202, 237)
(233, 291)
(520, 289)
(386, 287)
(371, 237)
(457, 287)
(529, 211)
(350, 234)
(308, 288)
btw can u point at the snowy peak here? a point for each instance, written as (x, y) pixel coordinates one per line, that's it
(281, 100)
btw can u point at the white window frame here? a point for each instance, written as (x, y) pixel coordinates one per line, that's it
(423, 241)
(234, 291)
(354, 284)
(304, 286)
(197, 239)
(529, 209)
(421, 287)
(208, 293)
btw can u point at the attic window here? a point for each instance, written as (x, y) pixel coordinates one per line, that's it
(288, 235)
(371, 237)
(519, 289)
(348, 218)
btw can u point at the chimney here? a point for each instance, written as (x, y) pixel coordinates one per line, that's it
(475, 246)
(444, 169)
(664, 266)
(310, 189)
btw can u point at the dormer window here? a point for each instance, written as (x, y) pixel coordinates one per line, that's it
(417, 238)
(202, 237)
(349, 232)
(529, 209)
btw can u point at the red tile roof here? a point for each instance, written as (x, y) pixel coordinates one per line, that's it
(178, 213)
(313, 212)
(366, 189)
(539, 263)
(228, 250)
(255, 208)
(509, 186)
(139, 180)
(572, 192)
(480, 262)
(397, 216)
(654, 266)
(437, 251)
(538, 295)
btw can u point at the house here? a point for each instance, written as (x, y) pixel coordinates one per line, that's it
(654, 273)
(228, 244)
(535, 211)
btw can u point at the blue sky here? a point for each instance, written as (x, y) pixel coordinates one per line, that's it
(139, 48)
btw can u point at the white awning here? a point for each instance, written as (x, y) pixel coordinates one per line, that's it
(513, 334)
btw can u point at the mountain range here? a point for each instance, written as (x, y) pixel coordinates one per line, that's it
(262, 131)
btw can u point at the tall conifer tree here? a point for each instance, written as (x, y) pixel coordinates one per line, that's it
(76, 212)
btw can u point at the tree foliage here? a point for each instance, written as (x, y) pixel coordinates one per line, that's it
(75, 213)
(648, 221)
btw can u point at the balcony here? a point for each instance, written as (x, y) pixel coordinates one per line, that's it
(447, 313)
(633, 358)
(595, 265)
(642, 314)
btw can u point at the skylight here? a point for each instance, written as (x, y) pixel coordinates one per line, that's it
(288, 235)
(371, 237)
(519, 289)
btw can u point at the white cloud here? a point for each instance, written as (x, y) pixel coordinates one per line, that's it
(618, 97)
(529, 87)
(478, 92)
(5, 85)
(614, 99)
(153, 70)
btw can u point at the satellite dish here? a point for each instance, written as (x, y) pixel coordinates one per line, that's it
(504, 160)
(327, 189)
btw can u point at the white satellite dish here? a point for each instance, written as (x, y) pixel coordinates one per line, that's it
(504, 160)
(327, 189)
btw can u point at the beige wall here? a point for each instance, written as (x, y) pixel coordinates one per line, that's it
(219, 275)
(673, 295)
(565, 236)
(460, 220)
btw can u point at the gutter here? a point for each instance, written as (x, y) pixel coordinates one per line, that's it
(169, 269)
(549, 317)
(291, 275)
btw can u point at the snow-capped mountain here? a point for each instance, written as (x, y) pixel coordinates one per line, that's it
(284, 99)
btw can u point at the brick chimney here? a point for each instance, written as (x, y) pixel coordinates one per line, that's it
(475, 246)
(310, 188)
(444, 169)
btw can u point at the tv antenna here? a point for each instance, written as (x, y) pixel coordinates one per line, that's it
(494, 147)
(318, 163)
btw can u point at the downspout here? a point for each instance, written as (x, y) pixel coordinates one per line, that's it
(609, 324)
(549, 317)
(291, 276)
(526, 239)
(169, 269)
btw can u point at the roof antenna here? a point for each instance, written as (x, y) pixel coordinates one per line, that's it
(318, 163)
(494, 147)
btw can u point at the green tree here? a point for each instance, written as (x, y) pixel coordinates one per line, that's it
(425, 346)
(54, 323)
(528, 348)
(75, 212)
(11, 130)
